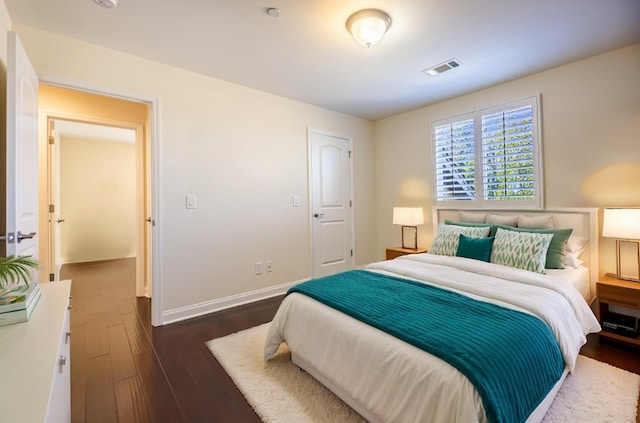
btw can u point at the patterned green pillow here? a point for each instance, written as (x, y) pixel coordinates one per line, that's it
(523, 250)
(555, 253)
(446, 240)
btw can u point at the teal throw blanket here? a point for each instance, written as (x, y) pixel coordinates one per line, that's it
(512, 358)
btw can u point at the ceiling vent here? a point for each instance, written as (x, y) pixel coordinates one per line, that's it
(442, 67)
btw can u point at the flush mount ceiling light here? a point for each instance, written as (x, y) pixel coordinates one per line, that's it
(107, 4)
(368, 26)
(274, 12)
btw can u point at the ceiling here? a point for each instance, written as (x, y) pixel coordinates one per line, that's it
(306, 54)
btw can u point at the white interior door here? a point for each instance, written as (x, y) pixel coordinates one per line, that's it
(331, 205)
(22, 152)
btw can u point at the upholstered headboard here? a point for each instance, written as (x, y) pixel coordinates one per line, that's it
(584, 222)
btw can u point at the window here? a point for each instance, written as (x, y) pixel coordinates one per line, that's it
(489, 158)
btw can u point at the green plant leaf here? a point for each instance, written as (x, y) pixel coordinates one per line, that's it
(15, 269)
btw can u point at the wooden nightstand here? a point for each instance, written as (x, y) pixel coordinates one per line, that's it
(613, 291)
(397, 252)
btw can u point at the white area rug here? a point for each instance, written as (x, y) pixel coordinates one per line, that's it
(280, 392)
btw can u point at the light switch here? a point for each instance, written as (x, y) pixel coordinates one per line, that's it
(296, 201)
(192, 201)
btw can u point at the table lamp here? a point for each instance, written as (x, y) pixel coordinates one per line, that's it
(409, 217)
(624, 225)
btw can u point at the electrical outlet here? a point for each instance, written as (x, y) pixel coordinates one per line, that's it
(269, 266)
(259, 268)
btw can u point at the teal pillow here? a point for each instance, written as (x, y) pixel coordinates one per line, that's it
(475, 248)
(492, 231)
(556, 251)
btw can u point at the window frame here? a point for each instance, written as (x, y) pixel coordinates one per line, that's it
(537, 202)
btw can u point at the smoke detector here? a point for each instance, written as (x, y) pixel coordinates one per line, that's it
(442, 67)
(107, 4)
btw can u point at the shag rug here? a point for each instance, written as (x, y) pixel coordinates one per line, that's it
(279, 392)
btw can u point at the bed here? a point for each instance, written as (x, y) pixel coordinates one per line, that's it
(388, 378)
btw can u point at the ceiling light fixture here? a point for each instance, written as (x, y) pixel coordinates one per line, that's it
(107, 4)
(274, 12)
(368, 26)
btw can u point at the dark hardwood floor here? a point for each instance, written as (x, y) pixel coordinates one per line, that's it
(124, 370)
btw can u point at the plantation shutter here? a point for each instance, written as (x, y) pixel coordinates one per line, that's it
(489, 158)
(508, 163)
(455, 161)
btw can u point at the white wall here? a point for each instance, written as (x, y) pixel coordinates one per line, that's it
(591, 146)
(97, 200)
(242, 152)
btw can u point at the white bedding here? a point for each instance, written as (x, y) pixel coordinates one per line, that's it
(577, 277)
(386, 379)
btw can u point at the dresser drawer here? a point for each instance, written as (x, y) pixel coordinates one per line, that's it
(619, 295)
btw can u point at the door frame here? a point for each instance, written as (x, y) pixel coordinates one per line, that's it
(47, 116)
(155, 161)
(349, 139)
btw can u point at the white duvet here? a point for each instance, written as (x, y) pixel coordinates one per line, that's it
(386, 379)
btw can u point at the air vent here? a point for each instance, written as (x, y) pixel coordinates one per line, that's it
(442, 67)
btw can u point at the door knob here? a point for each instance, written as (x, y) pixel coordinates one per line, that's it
(22, 236)
(318, 215)
(59, 220)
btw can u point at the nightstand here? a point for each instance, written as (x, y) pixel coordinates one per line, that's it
(613, 291)
(397, 252)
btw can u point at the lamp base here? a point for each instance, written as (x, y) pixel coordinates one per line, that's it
(625, 270)
(415, 237)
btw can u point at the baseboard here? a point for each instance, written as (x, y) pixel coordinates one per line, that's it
(183, 313)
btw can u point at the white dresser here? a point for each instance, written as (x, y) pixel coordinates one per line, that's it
(35, 384)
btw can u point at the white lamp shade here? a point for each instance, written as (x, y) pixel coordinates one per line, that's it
(368, 26)
(408, 216)
(623, 223)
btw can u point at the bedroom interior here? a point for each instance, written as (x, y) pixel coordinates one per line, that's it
(242, 148)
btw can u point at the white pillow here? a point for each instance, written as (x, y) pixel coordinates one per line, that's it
(523, 250)
(498, 219)
(574, 248)
(572, 260)
(446, 240)
(471, 217)
(537, 222)
(576, 243)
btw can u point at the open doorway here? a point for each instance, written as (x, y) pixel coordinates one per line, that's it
(93, 185)
(98, 181)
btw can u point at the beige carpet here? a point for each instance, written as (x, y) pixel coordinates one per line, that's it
(279, 392)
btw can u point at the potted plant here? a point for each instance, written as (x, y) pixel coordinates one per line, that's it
(14, 270)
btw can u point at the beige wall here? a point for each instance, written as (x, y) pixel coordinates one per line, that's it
(242, 152)
(97, 200)
(591, 146)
